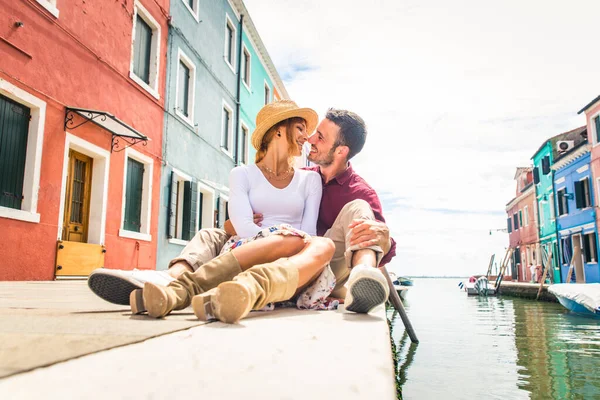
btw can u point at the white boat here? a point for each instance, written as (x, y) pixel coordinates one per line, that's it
(481, 287)
(401, 289)
(580, 298)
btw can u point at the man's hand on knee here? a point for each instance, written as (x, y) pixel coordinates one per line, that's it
(366, 233)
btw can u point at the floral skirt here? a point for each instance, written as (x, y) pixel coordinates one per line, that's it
(316, 295)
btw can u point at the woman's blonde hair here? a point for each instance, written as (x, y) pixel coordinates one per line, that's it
(291, 139)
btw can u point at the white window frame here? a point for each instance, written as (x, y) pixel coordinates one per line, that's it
(526, 216)
(182, 57)
(593, 128)
(246, 145)
(154, 52)
(181, 177)
(33, 155)
(50, 6)
(541, 211)
(229, 152)
(247, 65)
(194, 11)
(146, 213)
(267, 87)
(208, 205)
(229, 22)
(551, 206)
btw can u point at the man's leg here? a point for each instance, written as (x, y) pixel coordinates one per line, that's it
(115, 286)
(366, 287)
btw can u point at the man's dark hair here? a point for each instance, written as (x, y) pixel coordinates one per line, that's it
(353, 131)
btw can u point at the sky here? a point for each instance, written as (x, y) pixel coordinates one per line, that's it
(455, 94)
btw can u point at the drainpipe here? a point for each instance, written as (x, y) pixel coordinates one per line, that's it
(237, 100)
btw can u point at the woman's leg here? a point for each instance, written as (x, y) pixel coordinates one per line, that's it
(310, 258)
(268, 249)
(264, 283)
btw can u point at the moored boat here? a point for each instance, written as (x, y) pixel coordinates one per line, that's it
(580, 298)
(401, 288)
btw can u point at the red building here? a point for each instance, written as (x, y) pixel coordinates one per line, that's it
(72, 196)
(522, 226)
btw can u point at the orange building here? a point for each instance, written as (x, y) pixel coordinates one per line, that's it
(73, 195)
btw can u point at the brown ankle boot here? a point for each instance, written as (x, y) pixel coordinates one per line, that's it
(252, 289)
(160, 300)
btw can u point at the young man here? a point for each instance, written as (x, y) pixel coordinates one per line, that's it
(350, 215)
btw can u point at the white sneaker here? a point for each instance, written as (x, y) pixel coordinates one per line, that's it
(115, 285)
(367, 288)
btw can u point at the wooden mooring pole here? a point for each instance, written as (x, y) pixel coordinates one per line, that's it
(397, 303)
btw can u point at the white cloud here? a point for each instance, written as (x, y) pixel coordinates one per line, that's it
(456, 96)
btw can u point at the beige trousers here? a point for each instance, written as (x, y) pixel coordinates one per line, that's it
(207, 244)
(341, 262)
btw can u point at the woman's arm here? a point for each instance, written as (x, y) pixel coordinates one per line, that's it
(312, 203)
(240, 211)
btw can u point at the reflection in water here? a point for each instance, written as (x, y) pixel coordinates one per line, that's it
(558, 352)
(503, 348)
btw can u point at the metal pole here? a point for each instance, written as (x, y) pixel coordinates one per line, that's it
(397, 303)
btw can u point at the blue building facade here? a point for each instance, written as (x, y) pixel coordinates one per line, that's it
(210, 114)
(576, 216)
(543, 177)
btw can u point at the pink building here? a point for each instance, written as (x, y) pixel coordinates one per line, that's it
(522, 226)
(592, 116)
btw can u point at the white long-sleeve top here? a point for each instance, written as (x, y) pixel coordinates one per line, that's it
(297, 204)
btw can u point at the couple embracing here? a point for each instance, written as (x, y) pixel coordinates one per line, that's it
(313, 236)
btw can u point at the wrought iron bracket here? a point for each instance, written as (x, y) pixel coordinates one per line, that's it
(70, 116)
(130, 142)
(118, 129)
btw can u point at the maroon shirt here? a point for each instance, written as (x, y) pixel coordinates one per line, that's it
(341, 190)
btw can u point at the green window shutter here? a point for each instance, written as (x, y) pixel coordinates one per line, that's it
(14, 126)
(172, 222)
(191, 4)
(184, 89)
(520, 218)
(579, 200)
(200, 211)
(597, 122)
(187, 223)
(133, 195)
(217, 212)
(142, 49)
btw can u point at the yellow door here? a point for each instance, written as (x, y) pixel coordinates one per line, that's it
(77, 199)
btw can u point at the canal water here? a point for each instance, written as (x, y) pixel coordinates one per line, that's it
(496, 347)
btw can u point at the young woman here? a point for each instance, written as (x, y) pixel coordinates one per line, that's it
(287, 261)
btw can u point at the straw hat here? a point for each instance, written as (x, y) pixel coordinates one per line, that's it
(279, 111)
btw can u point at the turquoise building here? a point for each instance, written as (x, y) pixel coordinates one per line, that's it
(543, 177)
(219, 75)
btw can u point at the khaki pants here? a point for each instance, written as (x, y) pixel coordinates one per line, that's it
(203, 247)
(207, 244)
(340, 234)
